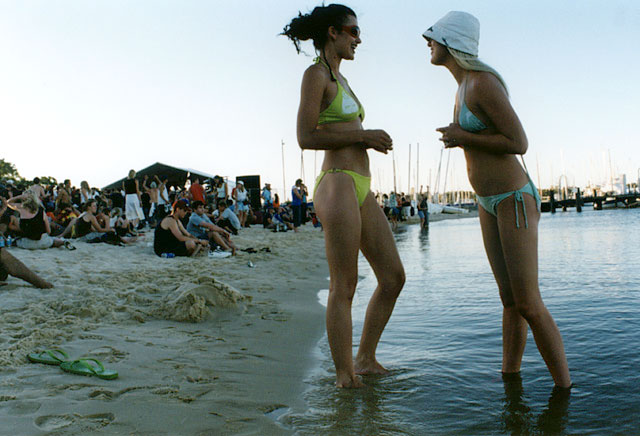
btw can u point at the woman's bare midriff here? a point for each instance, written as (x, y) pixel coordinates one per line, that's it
(491, 174)
(353, 157)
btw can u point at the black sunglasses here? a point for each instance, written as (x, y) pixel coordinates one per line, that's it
(353, 30)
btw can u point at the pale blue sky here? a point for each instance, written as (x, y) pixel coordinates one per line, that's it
(90, 89)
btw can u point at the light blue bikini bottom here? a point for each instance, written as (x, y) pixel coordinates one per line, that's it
(490, 203)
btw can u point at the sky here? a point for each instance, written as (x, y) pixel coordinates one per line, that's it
(91, 89)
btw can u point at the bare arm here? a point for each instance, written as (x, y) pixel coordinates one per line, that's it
(314, 83)
(491, 97)
(47, 226)
(96, 225)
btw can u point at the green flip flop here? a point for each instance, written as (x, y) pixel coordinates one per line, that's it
(85, 367)
(48, 357)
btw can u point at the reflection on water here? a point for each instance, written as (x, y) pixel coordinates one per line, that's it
(443, 342)
(518, 418)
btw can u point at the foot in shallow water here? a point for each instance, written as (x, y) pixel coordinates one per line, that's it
(349, 382)
(369, 367)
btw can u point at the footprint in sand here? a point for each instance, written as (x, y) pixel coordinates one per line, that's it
(53, 422)
(23, 407)
(108, 353)
(178, 362)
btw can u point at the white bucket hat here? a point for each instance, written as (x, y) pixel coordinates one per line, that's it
(457, 30)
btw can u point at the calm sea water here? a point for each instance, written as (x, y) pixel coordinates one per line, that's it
(443, 342)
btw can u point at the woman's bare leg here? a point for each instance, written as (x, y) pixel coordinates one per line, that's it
(337, 207)
(514, 326)
(379, 247)
(520, 248)
(18, 269)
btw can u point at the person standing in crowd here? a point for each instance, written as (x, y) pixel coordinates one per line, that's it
(489, 132)
(330, 119)
(196, 189)
(296, 203)
(267, 201)
(152, 190)
(163, 197)
(423, 211)
(132, 199)
(38, 189)
(241, 198)
(221, 189)
(303, 205)
(85, 192)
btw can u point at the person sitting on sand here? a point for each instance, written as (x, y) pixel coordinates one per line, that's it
(86, 227)
(119, 222)
(202, 228)
(282, 218)
(226, 218)
(172, 238)
(34, 224)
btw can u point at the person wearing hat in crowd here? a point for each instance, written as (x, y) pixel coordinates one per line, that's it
(172, 238)
(489, 132)
(330, 118)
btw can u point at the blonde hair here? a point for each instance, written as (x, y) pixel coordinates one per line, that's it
(471, 62)
(84, 185)
(31, 201)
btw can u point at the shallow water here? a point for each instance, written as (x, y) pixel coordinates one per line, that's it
(443, 342)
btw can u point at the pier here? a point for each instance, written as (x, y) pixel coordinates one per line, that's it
(599, 202)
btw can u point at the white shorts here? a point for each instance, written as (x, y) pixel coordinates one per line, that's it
(45, 241)
(132, 207)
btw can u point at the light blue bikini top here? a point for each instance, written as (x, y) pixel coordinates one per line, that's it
(467, 120)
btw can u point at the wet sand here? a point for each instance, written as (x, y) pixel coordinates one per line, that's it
(202, 346)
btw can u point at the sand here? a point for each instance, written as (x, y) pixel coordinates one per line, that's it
(202, 346)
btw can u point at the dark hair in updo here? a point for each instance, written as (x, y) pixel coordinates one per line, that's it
(314, 25)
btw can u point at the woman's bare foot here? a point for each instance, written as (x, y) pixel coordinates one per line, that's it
(369, 367)
(349, 382)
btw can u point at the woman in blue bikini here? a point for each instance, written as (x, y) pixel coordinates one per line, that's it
(330, 119)
(488, 130)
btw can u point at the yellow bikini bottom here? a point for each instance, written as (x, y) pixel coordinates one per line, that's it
(362, 183)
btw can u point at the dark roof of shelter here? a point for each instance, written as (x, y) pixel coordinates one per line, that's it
(177, 176)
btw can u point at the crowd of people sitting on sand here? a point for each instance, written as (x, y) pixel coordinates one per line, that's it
(186, 220)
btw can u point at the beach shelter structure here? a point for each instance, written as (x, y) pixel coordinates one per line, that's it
(177, 176)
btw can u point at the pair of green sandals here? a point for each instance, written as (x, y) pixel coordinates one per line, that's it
(88, 367)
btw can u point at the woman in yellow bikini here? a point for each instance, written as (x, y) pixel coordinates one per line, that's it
(330, 118)
(488, 130)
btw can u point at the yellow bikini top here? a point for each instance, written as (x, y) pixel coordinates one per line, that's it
(343, 108)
